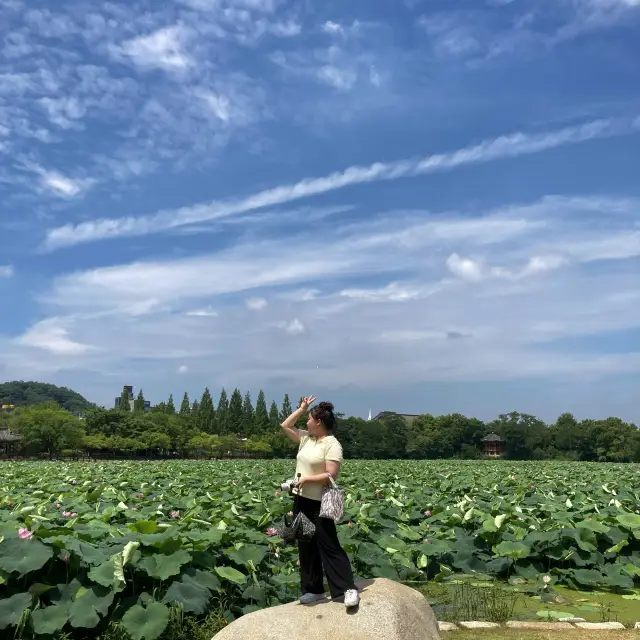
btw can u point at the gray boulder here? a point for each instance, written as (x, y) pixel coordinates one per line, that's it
(387, 611)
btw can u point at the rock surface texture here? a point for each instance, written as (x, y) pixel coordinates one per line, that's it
(387, 611)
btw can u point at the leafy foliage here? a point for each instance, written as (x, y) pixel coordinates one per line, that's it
(125, 542)
(27, 394)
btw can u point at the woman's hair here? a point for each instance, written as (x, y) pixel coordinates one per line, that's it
(323, 411)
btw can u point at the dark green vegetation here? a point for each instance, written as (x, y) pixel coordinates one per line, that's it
(234, 427)
(111, 547)
(26, 394)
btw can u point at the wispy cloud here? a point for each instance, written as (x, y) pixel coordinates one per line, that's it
(256, 304)
(62, 185)
(164, 49)
(509, 146)
(6, 271)
(51, 335)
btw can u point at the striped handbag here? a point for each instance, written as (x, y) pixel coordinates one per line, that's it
(332, 504)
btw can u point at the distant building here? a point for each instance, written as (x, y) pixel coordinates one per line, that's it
(129, 390)
(8, 441)
(493, 445)
(7, 408)
(408, 417)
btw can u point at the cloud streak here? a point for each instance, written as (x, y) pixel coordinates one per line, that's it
(509, 146)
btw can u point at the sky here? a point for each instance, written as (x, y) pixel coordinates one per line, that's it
(409, 205)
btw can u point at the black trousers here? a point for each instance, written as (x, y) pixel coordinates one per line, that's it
(322, 551)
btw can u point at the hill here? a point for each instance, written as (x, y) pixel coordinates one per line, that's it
(24, 394)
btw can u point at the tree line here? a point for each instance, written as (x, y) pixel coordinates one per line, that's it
(236, 427)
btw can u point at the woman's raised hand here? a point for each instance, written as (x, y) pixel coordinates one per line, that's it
(306, 402)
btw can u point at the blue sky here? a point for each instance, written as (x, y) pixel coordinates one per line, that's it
(418, 205)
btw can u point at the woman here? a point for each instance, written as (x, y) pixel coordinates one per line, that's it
(319, 458)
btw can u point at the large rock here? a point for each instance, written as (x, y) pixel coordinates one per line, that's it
(387, 611)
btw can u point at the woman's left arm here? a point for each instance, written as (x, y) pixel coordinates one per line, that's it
(331, 467)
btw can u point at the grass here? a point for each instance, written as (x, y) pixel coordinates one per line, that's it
(498, 602)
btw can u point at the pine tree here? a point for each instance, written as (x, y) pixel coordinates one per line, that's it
(195, 407)
(248, 417)
(222, 413)
(124, 400)
(171, 407)
(206, 418)
(234, 419)
(262, 417)
(286, 408)
(274, 415)
(185, 407)
(138, 405)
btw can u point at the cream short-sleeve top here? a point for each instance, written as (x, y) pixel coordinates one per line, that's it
(311, 458)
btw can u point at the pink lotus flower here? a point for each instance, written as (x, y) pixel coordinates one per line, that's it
(134, 508)
(175, 514)
(546, 579)
(66, 514)
(272, 532)
(276, 493)
(65, 559)
(58, 505)
(141, 495)
(290, 513)
(349, 524)
(533, 486)
(74, 482)
(233, 482)
(73, 514)
(427, 513)
(25, 534)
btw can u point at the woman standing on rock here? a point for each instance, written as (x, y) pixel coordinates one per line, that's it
(319, 459)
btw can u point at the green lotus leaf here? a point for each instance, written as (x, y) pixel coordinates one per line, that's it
(12, 608)
(146, 623)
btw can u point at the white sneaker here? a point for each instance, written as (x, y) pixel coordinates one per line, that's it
(351, 598)
(310, 598)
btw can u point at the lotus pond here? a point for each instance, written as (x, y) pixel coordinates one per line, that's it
(85, 546)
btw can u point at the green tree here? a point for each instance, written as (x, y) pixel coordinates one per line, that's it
(248, 417)
(223, 413)
(526, 437)
(185, 407)
(567, 436)
(286, 408)
(262, 422)
(124, 400)
(274, 416)
(206, 418)
(171, 407)
(235, 416)
(48, 428)
(138, 405)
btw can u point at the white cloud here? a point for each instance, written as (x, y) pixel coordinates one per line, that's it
(162, 49)
(61, 185)
(6, 271)
(295, 327)
(465, 268)
(393, 292)
(332, 27)
(207, 312)
(343, 79)
(503, 147)
(256, 304)
(182, 369)
(52, 336)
